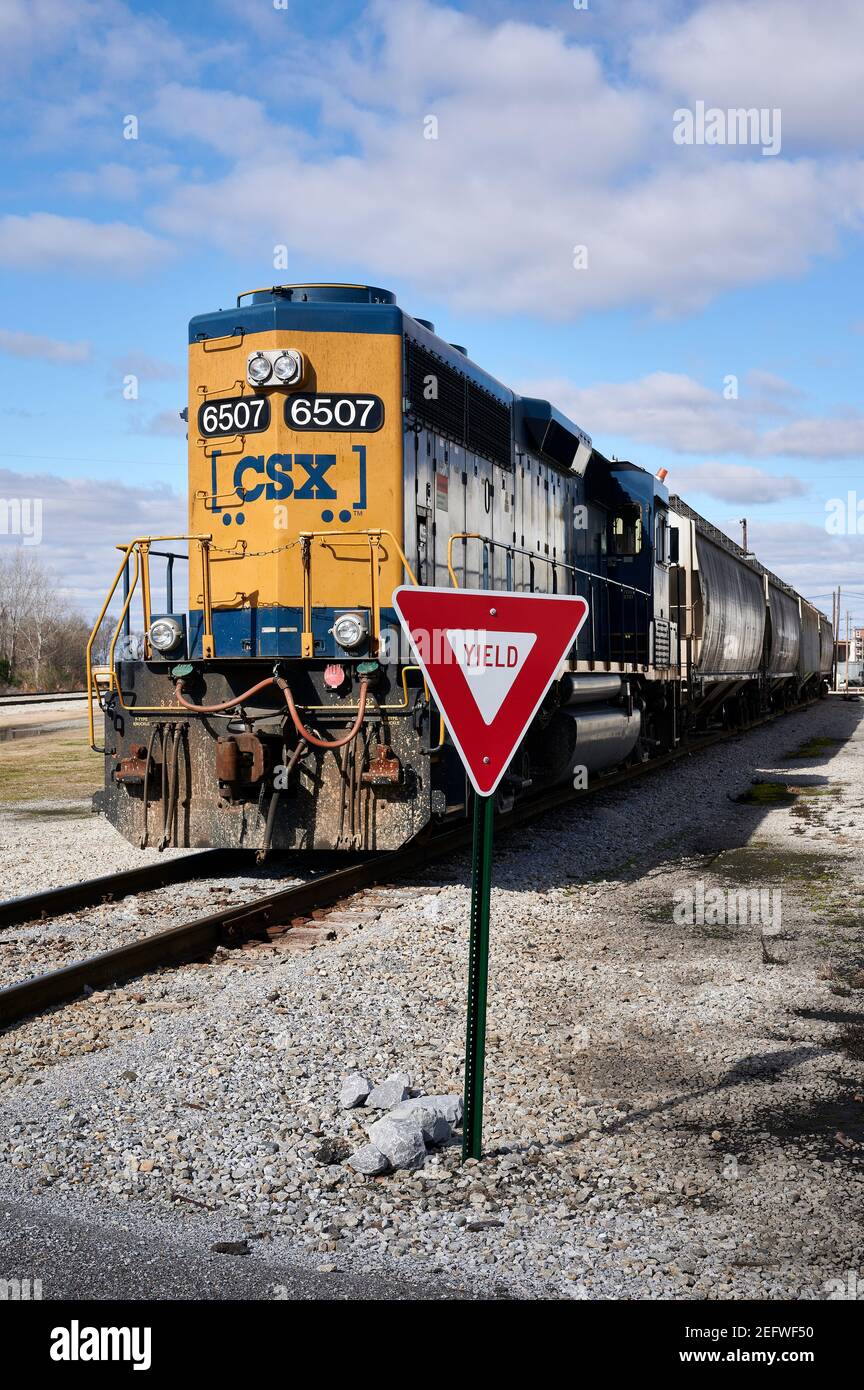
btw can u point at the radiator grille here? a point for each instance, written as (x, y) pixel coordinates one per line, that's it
(445, 400)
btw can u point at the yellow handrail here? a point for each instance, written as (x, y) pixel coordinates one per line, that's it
(373, 539)
(94, 634)
(459, 536)
(140, 547)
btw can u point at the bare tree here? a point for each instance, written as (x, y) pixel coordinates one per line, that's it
(42, 638)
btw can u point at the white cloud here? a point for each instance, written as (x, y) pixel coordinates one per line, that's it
(668, 409)
(38, 28)
(802, 57)
(115, 41)
(45, 241)
(164, 422)
(146, 368)
(830, 438)
(538, 151)
(735, 482)
(806, 556)
(227, 122)
(83, 519)
(672, 411)
(771, 385)
(121, 182)
(47, 349)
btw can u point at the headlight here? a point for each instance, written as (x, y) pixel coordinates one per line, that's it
(259, 368)
(350, 630)
(165, 633)
(288, 367)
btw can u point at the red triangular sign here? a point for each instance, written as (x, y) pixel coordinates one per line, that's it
(489, 658)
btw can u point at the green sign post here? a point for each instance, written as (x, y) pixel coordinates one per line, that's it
(478, 976)
(489, 658)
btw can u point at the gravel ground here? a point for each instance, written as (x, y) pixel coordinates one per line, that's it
(669, 1114)
(45, 844)
(41, 713)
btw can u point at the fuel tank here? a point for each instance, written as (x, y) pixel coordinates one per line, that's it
(602, 737)
(579, 689)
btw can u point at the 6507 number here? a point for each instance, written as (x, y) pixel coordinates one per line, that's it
(236, 415)
(341, 412)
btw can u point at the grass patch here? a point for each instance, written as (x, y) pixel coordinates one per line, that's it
(53, 767)
(768, 794)
(755, 863)
(784, 794)
(813, 748)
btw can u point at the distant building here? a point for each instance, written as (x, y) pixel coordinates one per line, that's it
(857, 652)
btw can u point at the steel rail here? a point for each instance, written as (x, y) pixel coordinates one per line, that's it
(199, 938)
(53, 902)
(49, 697)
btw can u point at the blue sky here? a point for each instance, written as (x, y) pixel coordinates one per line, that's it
(261, 125)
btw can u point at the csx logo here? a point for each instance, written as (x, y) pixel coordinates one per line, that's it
(303, 476)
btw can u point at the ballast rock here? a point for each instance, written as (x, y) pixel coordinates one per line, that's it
(436, 1115)
(396, 1088)
(449, 1106)
(775, 948)
(355, 1089)
(369, 1161)
(400, 1141)
(435, 1128)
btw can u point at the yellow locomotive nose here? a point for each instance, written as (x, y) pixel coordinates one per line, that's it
(298, 446)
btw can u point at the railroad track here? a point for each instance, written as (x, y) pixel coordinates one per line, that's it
(233, 925)
(209, 863)
(42, 699)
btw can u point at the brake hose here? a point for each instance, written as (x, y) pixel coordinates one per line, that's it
(228, 704)
(302, 731)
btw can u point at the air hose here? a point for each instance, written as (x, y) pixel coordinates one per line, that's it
(228, 704)
(302, 731)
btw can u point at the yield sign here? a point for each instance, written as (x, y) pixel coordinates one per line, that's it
(489, 658)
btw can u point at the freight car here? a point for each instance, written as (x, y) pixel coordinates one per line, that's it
(338, 447)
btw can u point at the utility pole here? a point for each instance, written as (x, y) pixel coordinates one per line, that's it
(847, 651)
(836, 637)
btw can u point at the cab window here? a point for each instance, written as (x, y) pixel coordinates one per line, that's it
(626, 531)
(660, 540)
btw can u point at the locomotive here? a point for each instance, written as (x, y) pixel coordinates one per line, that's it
(338, 448)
